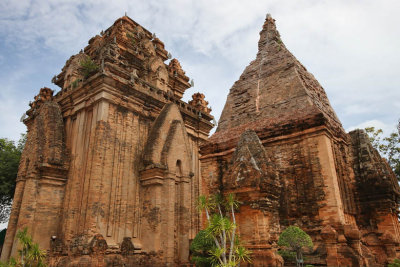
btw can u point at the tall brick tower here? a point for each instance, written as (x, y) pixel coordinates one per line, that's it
(110, 172)
(282, 150)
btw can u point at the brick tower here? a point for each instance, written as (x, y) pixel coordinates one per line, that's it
(282, 150)
(110, 172)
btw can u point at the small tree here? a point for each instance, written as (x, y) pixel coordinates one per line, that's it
(294, 239)
(388, 147)
(221, 230)
(10, 155)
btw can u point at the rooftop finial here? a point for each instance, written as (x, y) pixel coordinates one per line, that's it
(269, 19)
(268, 33)
(125, 14)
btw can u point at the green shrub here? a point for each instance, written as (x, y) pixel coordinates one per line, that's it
(294, 240)
(75, 83)
(200, 247)
(132, 38)
(88, 67)
(288, 255)
(396, 263)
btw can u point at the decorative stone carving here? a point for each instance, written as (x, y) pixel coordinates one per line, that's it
(198, 101)
(127, 247)
(98, 244)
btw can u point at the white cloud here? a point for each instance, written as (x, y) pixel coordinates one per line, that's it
(386, 128)
(350, 46)
(13, 105)
(3, 225)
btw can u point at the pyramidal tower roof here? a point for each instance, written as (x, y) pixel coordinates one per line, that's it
(274, 89)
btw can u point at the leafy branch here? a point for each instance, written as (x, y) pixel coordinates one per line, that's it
(388, 147)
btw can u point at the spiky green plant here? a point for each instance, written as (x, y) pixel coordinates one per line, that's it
(221, 228)
(30, 255)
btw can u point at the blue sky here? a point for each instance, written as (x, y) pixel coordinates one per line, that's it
(351, 47)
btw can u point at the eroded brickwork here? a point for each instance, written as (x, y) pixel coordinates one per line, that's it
(110, 172)
(42, 175)
(281, 149)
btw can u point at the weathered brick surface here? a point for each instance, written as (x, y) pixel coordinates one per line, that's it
(281, 148)
(377, 193)
(41, 176)
(275, 85)
(110, 173)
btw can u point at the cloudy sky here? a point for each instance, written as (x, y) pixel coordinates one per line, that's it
(351, 47)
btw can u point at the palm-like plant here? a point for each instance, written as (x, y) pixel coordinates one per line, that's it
(26, 242)
(242, 254)
(12, 262)
(30, 254)
(222, 229)
(36, 256)
(232, 204)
